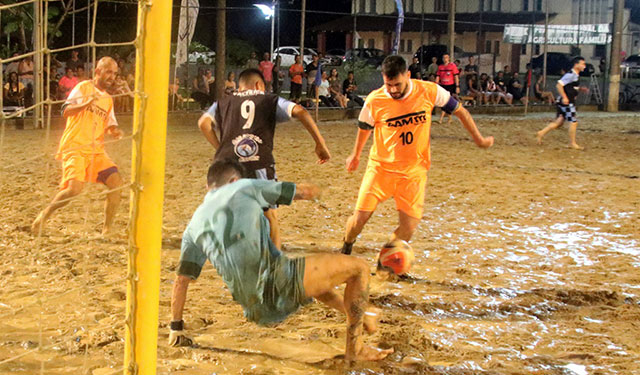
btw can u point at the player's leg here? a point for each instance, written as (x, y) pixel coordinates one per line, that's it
(409, 197)
(114, 181)
(325, 272)
(407, 226)
(552, 125)
(62, 198)
(573, 127)
(355, 224)
(272, 215)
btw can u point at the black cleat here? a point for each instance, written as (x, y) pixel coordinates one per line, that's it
(346, 248)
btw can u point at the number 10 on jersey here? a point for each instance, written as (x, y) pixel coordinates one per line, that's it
(407, 138)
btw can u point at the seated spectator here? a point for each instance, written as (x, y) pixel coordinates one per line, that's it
(473, 90)
(431, 77)
(349, 88)
(323, 92)
(66, 84)
(516, 89)
(200, 89)
(13, 91)
(230, 84)
(335, 89)
(544, 96)
(25, 74)
(501, 89)
(175, 98)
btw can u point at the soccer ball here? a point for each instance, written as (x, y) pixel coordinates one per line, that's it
(396, 257)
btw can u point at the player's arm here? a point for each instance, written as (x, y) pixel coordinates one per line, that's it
(450, 105)
(306, 191)
(287, 110)
(457, 78)
(205, 123)
(365, 126)
(75, 104)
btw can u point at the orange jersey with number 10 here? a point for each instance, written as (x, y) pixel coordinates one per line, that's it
(402, 126)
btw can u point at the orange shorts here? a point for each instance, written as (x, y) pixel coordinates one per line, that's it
(406, 186)
(86, 168)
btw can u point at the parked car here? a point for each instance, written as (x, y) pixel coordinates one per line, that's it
(369, 56)
(437, 51)
(334, 57)
(630, 67)
(558, 61)
(288, 55)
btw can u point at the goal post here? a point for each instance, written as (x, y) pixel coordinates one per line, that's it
(147, 171)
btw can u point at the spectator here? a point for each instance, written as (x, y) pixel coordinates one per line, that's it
(516, 89)
(431, 77)
(25, 74)
(602, 66)
(507, 73)
(175, 98)
(447, 76)
(312, 69)
(323, 92)
(295, 72)
(540, 94)
(349, 88)
(277, 75)
(74, 62)
(66, 83)
(80, 74)
(482, 87)
(414, 69)
(266, 68)
(230, 83)
(335, 89)
(473, 88)
(200, 86)
(433, 67)
(123, 102)
(13, 91)
(501, 89)
(252, 61)
(12, 67)
(471, 71)
(493, 94)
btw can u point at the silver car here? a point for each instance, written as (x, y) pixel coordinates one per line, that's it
(630, 67)
(288, 55)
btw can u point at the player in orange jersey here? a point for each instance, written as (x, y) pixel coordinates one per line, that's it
(399, 114)
(89, 114)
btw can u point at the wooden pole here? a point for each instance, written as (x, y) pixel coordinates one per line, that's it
(452, 29)
(546, 36)
(614, 66)
(221, 48)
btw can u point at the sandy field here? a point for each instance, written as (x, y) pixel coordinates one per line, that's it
(528, 260)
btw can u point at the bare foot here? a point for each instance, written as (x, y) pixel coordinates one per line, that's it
(371, 318)
(539, 137)
(576, 146)
(370, 353)
(38, 225)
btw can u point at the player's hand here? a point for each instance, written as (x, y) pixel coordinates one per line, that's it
(352, 163)
(115, 132)
(565, 101)
(323, 153)
(307, 191)
(485, 142)
(458, 90)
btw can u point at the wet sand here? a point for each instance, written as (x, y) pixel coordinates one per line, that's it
(528, 260)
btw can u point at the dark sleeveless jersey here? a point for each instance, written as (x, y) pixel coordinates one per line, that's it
(247, 123)
(570, 82)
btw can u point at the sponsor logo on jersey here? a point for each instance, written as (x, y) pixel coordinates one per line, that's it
(415, 118)
(246, 147)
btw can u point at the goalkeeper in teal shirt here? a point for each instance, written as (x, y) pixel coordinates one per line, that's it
(230, 230)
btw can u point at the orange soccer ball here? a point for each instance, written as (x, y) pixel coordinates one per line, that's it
(396, 256)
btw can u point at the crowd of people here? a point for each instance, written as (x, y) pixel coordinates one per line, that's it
(60, 79)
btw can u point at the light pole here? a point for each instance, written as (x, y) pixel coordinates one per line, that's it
(269, 13)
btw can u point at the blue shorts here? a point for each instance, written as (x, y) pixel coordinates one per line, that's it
(268, 284)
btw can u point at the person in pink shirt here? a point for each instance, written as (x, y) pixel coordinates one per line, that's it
(266, 68)
(66, 83)
(448, 76)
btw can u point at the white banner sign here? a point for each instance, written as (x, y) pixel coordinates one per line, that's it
(188, 17)
(558, 34)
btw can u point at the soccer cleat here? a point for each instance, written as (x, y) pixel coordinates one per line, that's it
(347, 247)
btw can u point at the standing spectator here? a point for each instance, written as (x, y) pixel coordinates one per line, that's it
(433, 67)
(323, 92)
(471, 71)
(277, 75)
(603, 65)
(12, 67)
(312, 69)
(296, 72)
(74, 62)
(123, 102)
(80, 75)
(200, 88)
(516, 89)
(349, 88)
(414, 68)
(335, 89)
(25, 73)
(507, 73)
(13, 91)
(66, 83)
(252, 61)
(230, 84)
(266, 68)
